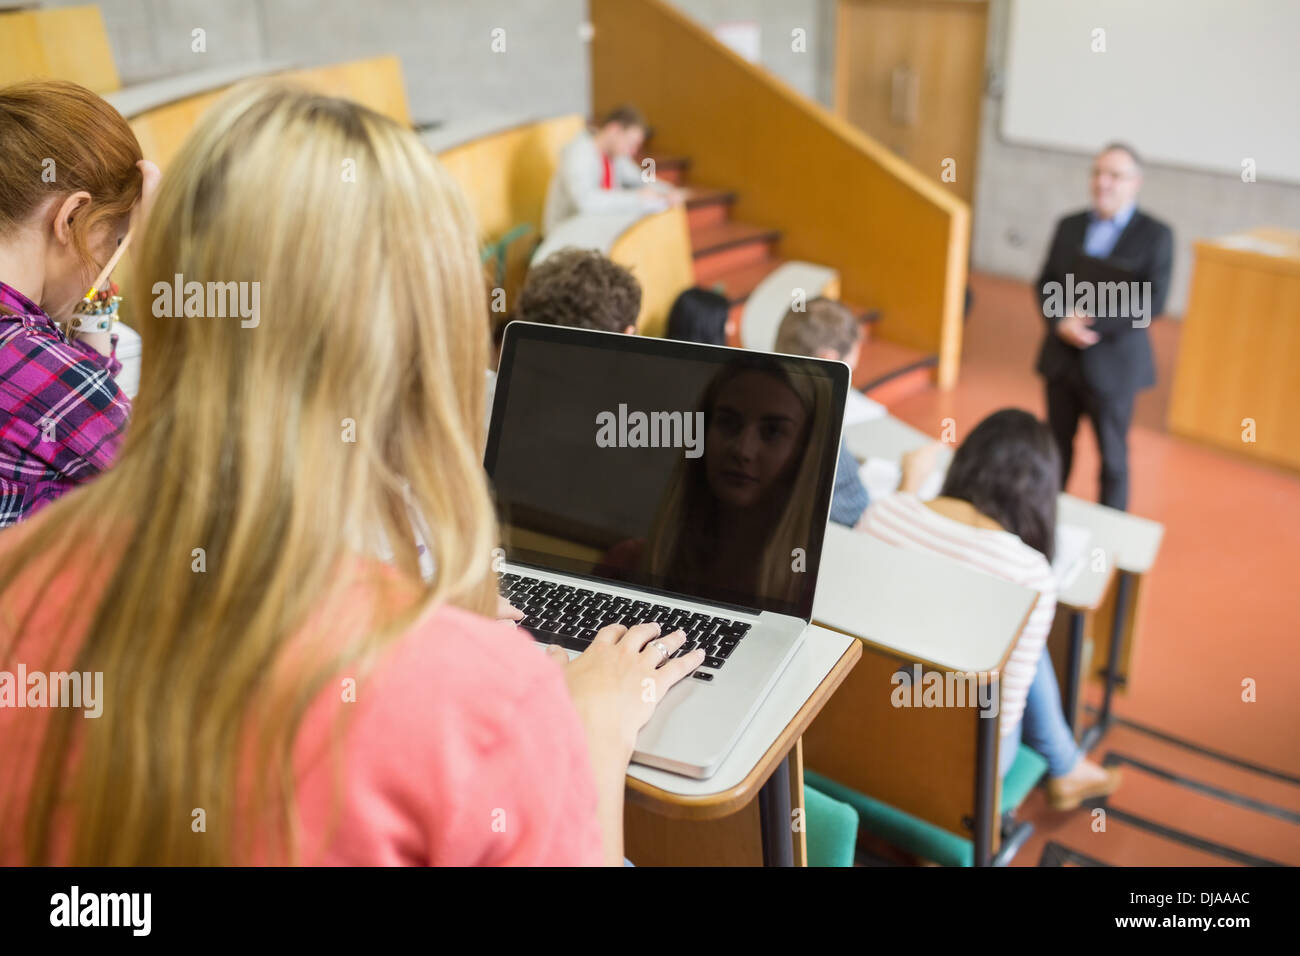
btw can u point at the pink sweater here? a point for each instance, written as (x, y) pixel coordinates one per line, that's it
(462, 748)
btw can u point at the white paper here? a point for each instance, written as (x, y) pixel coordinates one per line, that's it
(1072, 542)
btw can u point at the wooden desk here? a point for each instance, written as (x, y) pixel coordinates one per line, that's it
(912, 607)
(887, 437)
(1240, 345)
(743, 814)
(1128, 544)
(1082, 600)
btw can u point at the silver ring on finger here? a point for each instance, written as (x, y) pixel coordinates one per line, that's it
(664, 653)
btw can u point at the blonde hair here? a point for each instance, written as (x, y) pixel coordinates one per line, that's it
(372, 316)
(673, 548)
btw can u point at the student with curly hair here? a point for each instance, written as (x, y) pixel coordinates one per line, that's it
(583, 289)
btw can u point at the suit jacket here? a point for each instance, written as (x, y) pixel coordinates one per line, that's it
(1121, 362)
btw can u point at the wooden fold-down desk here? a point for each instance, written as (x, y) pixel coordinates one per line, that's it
(1240, 347)
(743, 815)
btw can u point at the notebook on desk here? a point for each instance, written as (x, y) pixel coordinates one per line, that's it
(1072, 543)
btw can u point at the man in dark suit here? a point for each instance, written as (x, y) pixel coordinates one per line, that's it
(1105, 278)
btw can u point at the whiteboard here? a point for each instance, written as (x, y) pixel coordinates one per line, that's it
(1198, 83)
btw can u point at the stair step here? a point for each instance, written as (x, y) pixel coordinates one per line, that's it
(669, 168)
(707, 195)
(707, 207)
(737, 284)
(730, 245)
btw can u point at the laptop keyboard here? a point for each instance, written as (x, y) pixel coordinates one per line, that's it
(570, 616)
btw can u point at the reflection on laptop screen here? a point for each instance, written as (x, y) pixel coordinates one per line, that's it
(693, 470)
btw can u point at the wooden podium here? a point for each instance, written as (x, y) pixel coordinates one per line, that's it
(1240, 347)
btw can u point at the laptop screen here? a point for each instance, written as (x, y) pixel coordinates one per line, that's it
(689, 470)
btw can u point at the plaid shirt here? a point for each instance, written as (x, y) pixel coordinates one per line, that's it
(61, 413)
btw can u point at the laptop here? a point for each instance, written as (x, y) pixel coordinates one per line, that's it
(643, 479)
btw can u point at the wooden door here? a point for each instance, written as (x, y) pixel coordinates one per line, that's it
(910, 73)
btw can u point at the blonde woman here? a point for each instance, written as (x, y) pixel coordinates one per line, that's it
(735, 517)
(259, 672)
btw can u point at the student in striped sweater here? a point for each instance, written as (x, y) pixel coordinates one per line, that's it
(997, 514)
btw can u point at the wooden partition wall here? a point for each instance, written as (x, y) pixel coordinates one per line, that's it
(67, 42)
(375, 82)
(898, 240)
(657, 250)
(506, 174)
(917, 759)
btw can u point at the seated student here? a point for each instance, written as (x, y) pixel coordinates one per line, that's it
(997, 514)
(598, 173)
(583, 289)
(699, 315)
(249, 657)
(62, 414)
(829, 330)
(574, 287)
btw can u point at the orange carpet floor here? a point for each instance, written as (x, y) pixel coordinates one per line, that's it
(1209, 778)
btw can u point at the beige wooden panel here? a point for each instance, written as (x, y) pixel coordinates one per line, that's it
(374, 82)
(920, 760)
(1238, 352)
(506, 175)
(910, 73)
(69, 43)
(657, 250)
(651, 839)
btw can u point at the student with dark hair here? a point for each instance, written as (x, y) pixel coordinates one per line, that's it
(597, 172)
(699, 315)
(997, 514)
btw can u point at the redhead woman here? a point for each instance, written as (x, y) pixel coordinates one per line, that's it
(71, 178)
(256, 667)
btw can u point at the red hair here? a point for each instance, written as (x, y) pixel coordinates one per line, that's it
(60, 138)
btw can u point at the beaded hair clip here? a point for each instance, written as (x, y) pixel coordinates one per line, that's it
(97, 310)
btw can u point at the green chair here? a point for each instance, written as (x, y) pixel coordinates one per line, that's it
(925, 840)
(831, 829)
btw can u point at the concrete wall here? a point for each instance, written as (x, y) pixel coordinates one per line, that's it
(811, 72)
(450, 69)
(445, 45)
